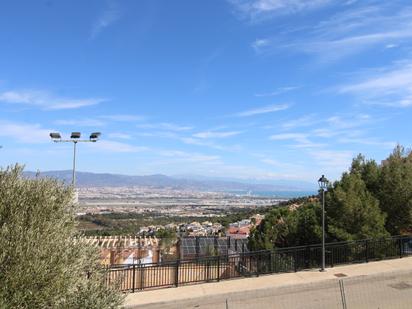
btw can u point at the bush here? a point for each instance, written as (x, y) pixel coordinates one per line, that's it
(43, 261)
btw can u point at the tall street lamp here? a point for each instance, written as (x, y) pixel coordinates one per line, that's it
(75, 138)
(323, 185)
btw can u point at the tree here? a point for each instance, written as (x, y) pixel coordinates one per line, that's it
(168, 239)
(369, 171)
(272, 231)
(352, 212)
(306, 228)
(395, 190)
(43, 261)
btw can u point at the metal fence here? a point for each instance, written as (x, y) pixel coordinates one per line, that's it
(131, 278)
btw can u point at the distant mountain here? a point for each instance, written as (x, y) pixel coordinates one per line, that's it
(86, 179)
(279, 183)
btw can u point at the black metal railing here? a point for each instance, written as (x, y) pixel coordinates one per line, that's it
(131, 278)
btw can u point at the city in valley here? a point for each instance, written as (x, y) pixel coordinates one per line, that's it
(182, 202)
(145, 210)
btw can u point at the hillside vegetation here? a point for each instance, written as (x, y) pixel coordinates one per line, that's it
(370, 200)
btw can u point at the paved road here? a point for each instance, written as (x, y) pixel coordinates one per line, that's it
(383, 284)
(391, 290)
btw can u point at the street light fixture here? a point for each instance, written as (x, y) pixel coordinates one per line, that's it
(74, 138)
(95, 136)
(323, 185)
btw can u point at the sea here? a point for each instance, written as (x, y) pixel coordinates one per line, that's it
(276, 194)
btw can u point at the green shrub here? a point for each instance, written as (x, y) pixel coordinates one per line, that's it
(43, 262)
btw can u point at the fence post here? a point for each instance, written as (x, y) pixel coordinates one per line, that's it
(197, 247)
(331, 256)
(207, 269)
(271, 261)
(134, 277)
(177, 273)
(307, 257)
(296, 260)
(142, 277)
(366, 251)
(400, 247)
(218, 268)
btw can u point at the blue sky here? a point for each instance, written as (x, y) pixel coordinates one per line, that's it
(258, 89)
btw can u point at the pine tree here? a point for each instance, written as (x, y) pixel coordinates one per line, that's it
(306, 228)
(395, 190)
(272, 231)
(352, 211)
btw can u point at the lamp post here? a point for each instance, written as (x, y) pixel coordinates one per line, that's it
(75, 138)
(323, 185)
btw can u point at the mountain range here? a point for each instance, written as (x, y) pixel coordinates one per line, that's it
(200, 183)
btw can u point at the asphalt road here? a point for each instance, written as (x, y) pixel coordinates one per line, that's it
(388, 290)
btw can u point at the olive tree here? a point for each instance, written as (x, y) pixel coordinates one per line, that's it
(43, 261)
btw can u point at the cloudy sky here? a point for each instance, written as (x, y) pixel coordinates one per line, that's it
(263, 89)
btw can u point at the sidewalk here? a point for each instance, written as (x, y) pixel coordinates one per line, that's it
(217, 289)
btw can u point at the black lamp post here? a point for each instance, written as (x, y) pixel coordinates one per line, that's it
(323, 185)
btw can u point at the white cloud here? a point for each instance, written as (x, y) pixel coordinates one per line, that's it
(388, 87)
(116, 147)
(165, 126)
(260, 44)
(159, 134)
(335, 159)
(304, 121)
(349, 32)
(45, 100)
(368, 142)
(278, 91)
(188, 156)
(24, 132)
(301, 140)
(349, 122)
(117, 135)
(122, 117)
(253, 173)
(89, 122)
(109, 15)
(263, 110)
(280, 164)
(349, 45)
(209, 144)
(391, 46)
(176, 132)
(340, 129)
(289, 136)
(256, 10)
(216, 134)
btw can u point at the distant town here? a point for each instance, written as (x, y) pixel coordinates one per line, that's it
(141, 199)
(185, 212)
